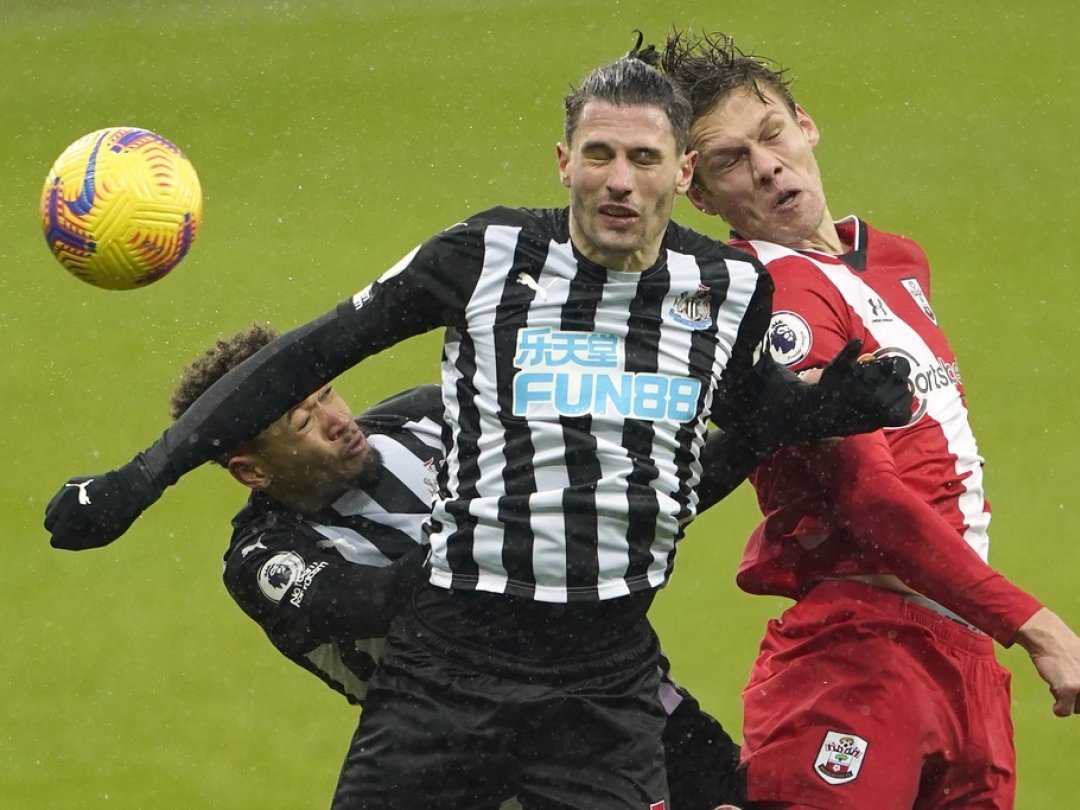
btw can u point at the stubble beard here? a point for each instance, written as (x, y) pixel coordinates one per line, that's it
(369, 473)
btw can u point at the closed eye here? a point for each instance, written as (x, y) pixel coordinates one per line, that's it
(722, 161)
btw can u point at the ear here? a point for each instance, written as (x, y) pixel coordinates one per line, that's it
(249, 472)
(807, 125)
(562, 152)
(701, 200)
(687, 163)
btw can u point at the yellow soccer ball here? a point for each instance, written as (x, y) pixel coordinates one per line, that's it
(121, 207)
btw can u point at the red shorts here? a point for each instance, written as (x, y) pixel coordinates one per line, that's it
(861, 698)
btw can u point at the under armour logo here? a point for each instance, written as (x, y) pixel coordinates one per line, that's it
(530, 282)
(877, 306)
(84, 497)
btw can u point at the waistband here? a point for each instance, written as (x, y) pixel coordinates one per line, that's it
(638, 647)
(917, 609)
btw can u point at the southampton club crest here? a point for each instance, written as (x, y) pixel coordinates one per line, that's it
(915, 290)
(693, 309)
(840, 757)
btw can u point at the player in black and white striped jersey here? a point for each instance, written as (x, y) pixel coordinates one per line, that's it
(578, 407)
(324, 580)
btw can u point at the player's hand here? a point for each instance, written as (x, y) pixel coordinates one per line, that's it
(92, 511)
(873, 392)
(1055, 651)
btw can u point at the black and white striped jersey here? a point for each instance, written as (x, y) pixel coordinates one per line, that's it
(324, 587)
(577, 397)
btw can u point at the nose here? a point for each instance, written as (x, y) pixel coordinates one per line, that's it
(619, 182)
(334, 421)
(765, 166)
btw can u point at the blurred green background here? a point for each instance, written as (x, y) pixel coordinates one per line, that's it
(330, 138)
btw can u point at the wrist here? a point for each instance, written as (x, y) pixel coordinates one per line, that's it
(1038, 632)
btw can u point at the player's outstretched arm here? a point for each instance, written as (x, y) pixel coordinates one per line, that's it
(92, 511)
(1055, 651)
(899, 532)
(247, 399)
(850, 395)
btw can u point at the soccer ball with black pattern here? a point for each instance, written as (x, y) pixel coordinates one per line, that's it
(121, 207)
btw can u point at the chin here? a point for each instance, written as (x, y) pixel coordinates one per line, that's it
(368, 471)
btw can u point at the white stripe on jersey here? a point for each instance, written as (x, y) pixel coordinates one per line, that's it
(410, 471)
(944, 405)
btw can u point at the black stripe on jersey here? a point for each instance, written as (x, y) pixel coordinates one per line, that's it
(582, 467)
(646, 316)
(703, 347)
(459, 554)
(519, 482)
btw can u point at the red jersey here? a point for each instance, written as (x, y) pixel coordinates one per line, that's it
(898, 501)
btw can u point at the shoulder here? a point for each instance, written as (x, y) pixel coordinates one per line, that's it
(260, 529)
(480, 232)
(774, 256)
(901, 248)
(685, 240)
(412, 405)
(791, 269)
(551, 221)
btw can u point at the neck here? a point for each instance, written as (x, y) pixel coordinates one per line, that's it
(826, 239)
(637, 261)
(304, 503)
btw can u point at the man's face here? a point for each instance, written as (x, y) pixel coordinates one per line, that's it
(757, 169)
(623, 173)
(312, 454)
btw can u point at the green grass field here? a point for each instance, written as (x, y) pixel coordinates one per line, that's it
(330, 138)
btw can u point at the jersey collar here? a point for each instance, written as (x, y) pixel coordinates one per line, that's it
(852, 231)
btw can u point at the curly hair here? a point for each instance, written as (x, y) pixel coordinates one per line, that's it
(632, 80)
(205, 370)
(707, 67)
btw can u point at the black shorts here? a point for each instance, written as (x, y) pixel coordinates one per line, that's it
(702, 760)
(452, 725)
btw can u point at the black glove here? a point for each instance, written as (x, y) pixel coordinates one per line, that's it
(867, 394)
(92, 511)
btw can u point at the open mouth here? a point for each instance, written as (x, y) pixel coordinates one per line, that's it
(618, 212)
(786, 199)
